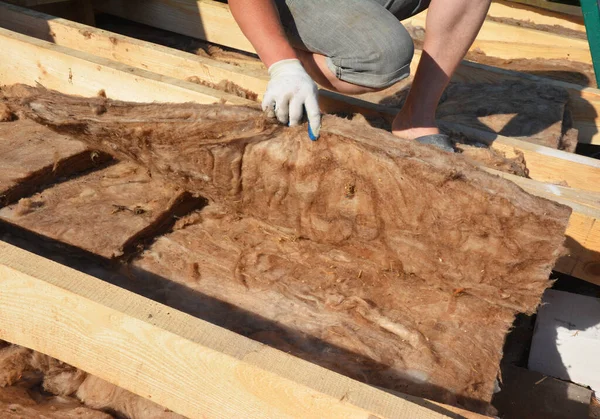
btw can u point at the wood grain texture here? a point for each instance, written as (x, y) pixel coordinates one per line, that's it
(129, 51)
(503, 40)
(185, 364)
(203, 19)
(211, 20)
(585, 101)
(536, 15)
(32, 61)
(552, 5)
(545, 164)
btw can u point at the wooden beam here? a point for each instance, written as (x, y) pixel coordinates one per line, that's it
(33, 3)
(507, 41)
(583, 231)
(545, 164)
(203, 19)
(535, 15)
(211, 21)
(552, 5)
(32, 61)
(129, 51)
(180, 362)
(585, 101)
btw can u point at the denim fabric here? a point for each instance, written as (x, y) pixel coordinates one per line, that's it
(363, 40)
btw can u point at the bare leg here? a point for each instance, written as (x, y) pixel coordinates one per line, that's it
(315, 65)
(452, 26)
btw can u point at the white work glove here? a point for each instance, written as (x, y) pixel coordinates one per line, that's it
(289, 91)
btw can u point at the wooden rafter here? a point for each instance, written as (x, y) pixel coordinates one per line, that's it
(535, 15)
(551, 5)
(497, 39)
(34, 61)
(187, 365)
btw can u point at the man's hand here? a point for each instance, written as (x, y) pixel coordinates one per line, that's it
(289, 91)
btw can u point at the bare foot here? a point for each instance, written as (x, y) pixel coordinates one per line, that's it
(403, 128)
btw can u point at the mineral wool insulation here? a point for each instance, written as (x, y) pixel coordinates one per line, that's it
(389, 261)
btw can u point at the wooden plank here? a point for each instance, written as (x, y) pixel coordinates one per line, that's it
(545, 164)
(203, 19)
(536, 15)
(585, 101)
(552, 5)
(183, 16)
(583, 231)
(183, 363)
(583, 258)
(32, 61)
(502, 40)
(129, 51)
(33, 3)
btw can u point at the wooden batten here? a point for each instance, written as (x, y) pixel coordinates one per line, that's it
(502, 40)
(126, 50)
(32, 61)
(535, 15)
(553, 6)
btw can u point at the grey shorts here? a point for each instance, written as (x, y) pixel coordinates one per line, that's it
(363, 40)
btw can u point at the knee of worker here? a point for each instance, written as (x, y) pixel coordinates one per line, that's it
(382, 62)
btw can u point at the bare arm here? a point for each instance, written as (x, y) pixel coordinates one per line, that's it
(260, 23)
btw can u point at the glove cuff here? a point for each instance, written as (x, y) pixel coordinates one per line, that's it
(285, 66)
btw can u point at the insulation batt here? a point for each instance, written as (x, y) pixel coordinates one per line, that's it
(347, 314)
(363, 190)
(381, 258)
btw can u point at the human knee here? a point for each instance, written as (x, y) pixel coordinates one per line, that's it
(394, 61)
(384, 59)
